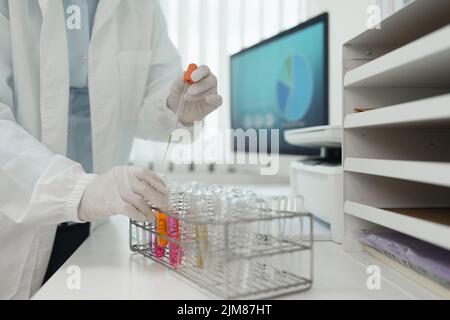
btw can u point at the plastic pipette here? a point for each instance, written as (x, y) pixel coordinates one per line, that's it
(187, 82)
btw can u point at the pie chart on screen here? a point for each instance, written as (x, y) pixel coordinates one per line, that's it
(295, 88)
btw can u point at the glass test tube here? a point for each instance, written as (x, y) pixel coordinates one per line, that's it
(161, 231)
(141, 235)
(200, 206)
(174, 230)
(174, 247)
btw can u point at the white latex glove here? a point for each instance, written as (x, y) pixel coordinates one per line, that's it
(123, 190)
(201, 97)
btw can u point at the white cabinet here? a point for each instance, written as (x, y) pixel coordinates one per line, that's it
(397, 151)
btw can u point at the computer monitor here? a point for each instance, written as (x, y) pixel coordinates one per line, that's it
(282, 83)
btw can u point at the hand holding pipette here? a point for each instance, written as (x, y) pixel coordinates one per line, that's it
(192, 97)
(187, 81)
(197, 89)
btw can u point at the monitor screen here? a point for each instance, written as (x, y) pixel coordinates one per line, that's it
(282, 83)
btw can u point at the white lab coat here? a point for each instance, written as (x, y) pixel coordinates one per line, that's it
(131, 66)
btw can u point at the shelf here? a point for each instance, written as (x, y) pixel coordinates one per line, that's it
(416, 19)
(437, 215)
(411, 287)
(436, 173)
(425, 282)
(427, 113)
(418, 223)
(422, 63)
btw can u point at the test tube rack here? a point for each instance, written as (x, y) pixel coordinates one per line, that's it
(244, 252)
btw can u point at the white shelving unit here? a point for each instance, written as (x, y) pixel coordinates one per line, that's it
(409, 114)
(397, 151)
(425, 224)
(416, 64)
(437, 173)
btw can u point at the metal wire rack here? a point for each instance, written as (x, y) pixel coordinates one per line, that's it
(233, 252)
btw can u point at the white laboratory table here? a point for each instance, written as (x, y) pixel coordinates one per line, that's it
(109, 270)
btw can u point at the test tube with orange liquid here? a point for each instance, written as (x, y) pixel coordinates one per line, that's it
(161, 237)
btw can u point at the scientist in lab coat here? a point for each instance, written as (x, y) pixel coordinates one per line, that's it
(79, 79)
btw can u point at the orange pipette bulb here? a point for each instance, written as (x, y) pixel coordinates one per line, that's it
(188, 74)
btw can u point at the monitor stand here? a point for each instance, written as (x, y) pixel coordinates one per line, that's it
(328, 157)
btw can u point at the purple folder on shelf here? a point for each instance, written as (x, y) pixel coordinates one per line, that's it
(431, 261)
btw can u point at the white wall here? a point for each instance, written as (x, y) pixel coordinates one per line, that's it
(347, 19)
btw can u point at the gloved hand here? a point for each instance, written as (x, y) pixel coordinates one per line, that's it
(201, 97)
(123, 190)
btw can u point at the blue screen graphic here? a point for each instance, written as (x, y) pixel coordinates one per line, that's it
(281, 84)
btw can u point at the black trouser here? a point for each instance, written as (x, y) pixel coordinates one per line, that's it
(69, 238)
